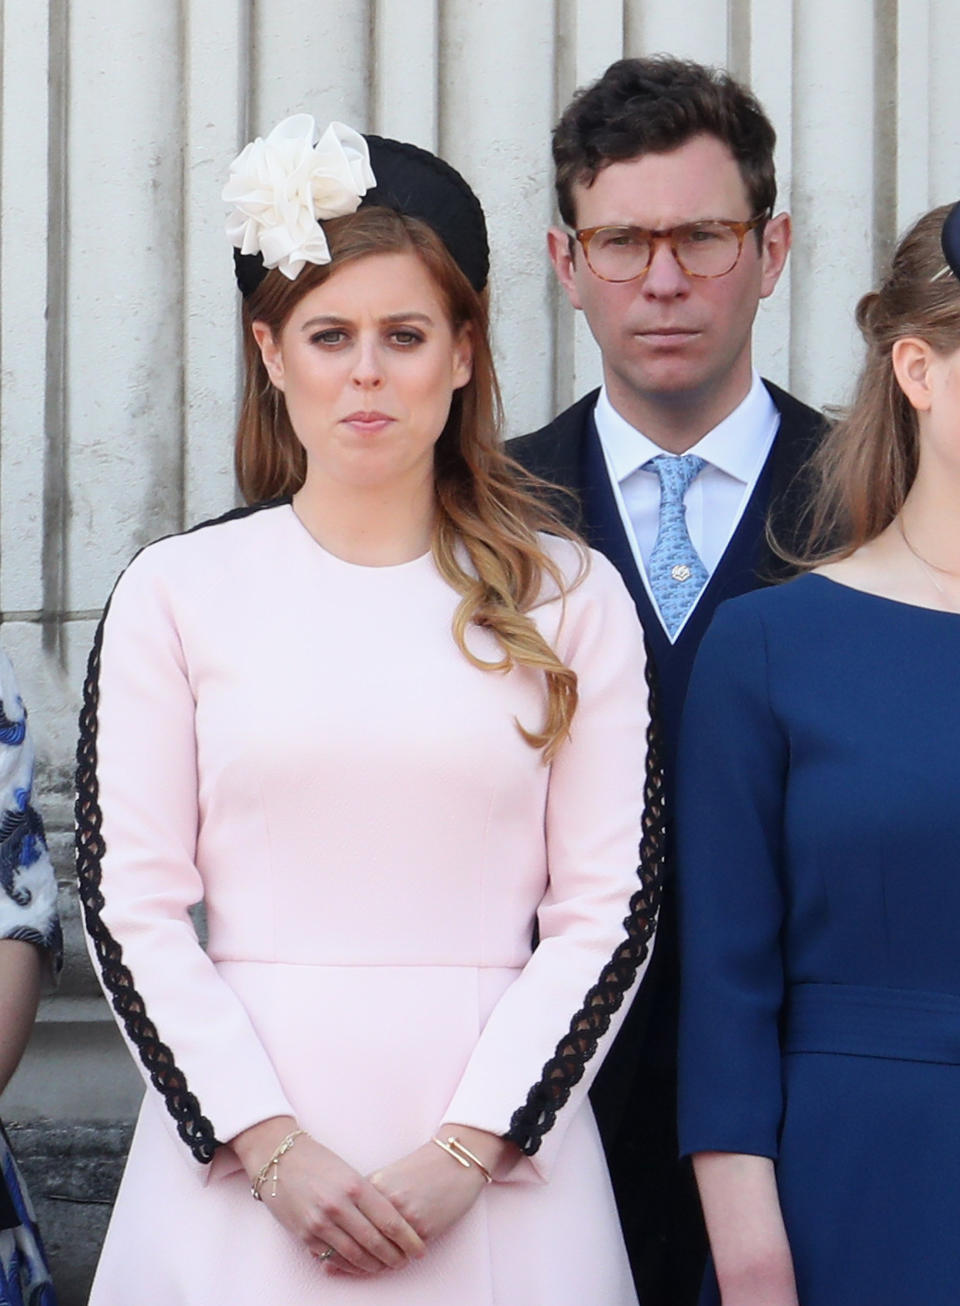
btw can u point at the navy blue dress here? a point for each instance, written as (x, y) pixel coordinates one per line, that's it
(819, 870)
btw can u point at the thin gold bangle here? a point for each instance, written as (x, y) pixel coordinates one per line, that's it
(450, 1152)
(463, 1156)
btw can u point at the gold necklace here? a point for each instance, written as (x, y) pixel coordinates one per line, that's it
(931, 569)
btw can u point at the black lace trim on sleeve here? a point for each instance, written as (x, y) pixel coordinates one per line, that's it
(566, 1067)
(165, 1075)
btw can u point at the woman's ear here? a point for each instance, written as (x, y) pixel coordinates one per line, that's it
(269, 348)
(462, 357)
(912, 360)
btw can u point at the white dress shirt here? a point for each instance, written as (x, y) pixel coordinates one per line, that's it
(734, 452)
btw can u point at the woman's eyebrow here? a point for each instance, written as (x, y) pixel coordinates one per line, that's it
(332, 319)
(409, 317)
(324, 320)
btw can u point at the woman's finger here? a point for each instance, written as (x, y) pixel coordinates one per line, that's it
(324, 1254)
(368, 1237)
(382, 1213)
(346, 1250)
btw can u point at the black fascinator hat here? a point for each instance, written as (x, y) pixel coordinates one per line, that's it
(411, 181)
(415, 182)
(950, 240)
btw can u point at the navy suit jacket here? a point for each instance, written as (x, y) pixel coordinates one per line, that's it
(567, 452)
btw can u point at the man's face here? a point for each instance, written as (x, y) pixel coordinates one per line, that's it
(670, 340)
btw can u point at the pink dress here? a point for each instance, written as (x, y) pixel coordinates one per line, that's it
(298, 743)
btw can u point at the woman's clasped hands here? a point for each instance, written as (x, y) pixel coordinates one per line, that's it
(363, 1225)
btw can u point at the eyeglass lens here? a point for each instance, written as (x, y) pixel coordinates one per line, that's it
(704, 249)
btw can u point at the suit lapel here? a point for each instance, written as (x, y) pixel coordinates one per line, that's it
(555, 454)
(604, 525)
(801, 429)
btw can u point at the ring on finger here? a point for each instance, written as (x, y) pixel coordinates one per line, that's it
(325, 1255)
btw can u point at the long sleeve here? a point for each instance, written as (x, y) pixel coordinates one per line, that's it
(546, 1037)
(28, 889)
(732, 768)
(137, 816)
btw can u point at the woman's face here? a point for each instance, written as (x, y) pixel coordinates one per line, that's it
(368, 363)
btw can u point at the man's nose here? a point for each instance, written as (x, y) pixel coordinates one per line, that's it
(664, 276)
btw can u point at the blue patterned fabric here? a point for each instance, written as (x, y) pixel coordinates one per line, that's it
(24, 1276)
(675, 570)
(28, 912)
(28, 889)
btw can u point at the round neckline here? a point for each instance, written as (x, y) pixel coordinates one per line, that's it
(318, 549)
(881, 598)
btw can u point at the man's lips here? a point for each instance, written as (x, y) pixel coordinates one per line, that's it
(666, 333)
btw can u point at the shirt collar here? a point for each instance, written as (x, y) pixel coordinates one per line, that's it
(734, 445)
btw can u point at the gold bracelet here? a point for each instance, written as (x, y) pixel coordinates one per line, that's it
(463, 1156)
(274, 1164)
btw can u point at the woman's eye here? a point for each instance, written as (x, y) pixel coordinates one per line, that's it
(332, 336)
(406, 337)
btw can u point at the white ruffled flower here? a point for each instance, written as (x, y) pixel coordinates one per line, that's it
(284, 186)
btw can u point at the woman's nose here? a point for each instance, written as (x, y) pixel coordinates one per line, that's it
(368, 366)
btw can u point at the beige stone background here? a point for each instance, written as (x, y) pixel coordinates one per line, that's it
(118, 345)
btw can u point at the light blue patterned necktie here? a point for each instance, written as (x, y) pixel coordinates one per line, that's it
(675, 571)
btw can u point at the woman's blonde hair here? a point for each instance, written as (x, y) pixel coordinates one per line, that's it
(488, 509)
(868, 460)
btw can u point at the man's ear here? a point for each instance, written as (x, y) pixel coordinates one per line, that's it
(912, 358)
(269, 348)
(777, 235)
(562, 248)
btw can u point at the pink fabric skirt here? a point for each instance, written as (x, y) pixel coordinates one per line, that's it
(371, 1082)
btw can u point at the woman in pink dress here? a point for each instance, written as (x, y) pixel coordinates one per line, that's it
(388, 724)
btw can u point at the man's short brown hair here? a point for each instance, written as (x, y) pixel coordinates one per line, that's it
(649, 106)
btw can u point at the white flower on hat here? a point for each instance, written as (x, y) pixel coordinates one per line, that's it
(284, 186)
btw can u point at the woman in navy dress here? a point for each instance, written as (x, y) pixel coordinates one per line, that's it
(819, 855)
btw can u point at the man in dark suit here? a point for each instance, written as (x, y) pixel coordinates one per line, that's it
(666, 186)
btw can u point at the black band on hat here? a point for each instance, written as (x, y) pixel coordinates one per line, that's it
(950, 240)
(416, 183)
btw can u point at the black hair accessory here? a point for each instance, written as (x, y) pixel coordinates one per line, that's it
(950, 240)
(414, 182)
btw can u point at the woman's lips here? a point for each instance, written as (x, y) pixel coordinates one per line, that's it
(368, 423)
